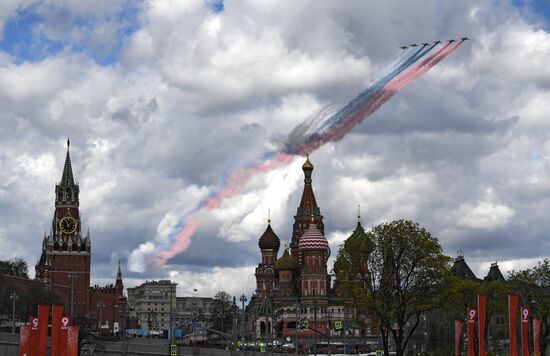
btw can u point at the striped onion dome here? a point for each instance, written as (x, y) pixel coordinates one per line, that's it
(313, 239)
(286, 262)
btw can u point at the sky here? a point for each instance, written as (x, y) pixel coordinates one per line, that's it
(161, 99)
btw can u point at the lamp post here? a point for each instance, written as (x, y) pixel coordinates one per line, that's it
(72, 276)
(243, 300)
(345, 327)
(13, 297)
(297, 310)
(100, 305)
(315, 328)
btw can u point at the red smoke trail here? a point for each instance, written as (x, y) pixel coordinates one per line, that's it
(387, 92)
(421, 69)
(180, 240)
(233, 186)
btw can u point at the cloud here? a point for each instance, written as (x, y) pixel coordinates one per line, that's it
(484, 215)
(162, 99)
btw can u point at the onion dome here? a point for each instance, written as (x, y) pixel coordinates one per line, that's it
(313, 239)
(307, 166)
(269, 240)
(286, 262)
(358, 241)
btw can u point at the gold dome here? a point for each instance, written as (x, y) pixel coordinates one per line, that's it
(307, 166)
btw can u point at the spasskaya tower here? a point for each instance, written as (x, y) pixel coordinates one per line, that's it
(66, 253)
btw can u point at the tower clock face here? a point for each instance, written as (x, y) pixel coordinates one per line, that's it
(68, 225)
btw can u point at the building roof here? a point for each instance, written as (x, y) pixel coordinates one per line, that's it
(67, 177)
(308, 203)
(269, 240)
(494, 273)
(461, 269)
(286, 262)
(307, 166)
(358, 240)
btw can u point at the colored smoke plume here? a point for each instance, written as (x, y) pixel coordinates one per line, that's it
(329, 125)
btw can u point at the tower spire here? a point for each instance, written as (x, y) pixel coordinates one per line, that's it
(308, 204)
(67, 178)
(359, 213)
(119, 273)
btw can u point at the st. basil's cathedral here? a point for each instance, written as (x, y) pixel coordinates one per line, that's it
(297, 286)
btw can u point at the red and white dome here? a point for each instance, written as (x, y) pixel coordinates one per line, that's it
(313, 239)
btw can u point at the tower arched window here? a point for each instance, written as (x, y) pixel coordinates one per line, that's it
(65, 246)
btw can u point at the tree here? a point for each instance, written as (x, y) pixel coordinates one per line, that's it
(17, 268)
(222, 311)
(533, 285)
(401, 275)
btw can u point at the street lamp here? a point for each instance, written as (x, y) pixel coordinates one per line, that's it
(100, 305)
(243, 300)
(13, 297)
(297, 310)
(345, 327)
(72, 276)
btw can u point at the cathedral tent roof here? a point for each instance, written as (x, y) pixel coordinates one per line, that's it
(308, 203)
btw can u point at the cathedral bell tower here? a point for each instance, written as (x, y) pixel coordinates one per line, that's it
(66, 253)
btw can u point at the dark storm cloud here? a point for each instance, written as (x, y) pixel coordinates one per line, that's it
(207, 251)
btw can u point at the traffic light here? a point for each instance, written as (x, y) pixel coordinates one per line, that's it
(305, 325)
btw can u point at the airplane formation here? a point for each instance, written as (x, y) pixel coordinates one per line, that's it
(436, 42)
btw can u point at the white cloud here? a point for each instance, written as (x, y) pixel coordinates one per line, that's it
(136, 261)
(484, 215)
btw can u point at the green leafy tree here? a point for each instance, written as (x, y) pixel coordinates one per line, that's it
(533, 285)
(17, 268)
(401, 275)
